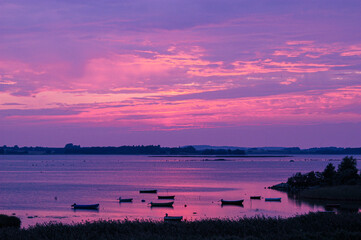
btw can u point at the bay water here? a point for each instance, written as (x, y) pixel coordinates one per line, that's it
(42, 188)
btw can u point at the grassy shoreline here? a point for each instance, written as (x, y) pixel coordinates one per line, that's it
(309, 226)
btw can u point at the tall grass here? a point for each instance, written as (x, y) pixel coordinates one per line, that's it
(310, 226)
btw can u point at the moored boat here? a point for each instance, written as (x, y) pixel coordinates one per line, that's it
(166, 197)
(125, 199)
(255, 197)
(161, 204)
(89, 206)
(234, 202)
(272, 199)
(148, 191)
(173, 218)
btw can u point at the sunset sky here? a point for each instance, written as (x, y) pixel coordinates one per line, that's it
(179, 72)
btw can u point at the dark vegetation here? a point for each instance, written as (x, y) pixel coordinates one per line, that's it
(186, 150)
(331, 184)
(9, 221)
(297, 150)
(310, 226)
(346, 174)
(126, 150)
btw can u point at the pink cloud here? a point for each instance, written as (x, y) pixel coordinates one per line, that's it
(311, 107)
(261, 67)
(299, 42)
(314, 50)
(289, 81)
(178, 67)
(308, 49)
(354, 50)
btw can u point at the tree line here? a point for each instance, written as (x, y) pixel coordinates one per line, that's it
(346, 174)
(122, 150)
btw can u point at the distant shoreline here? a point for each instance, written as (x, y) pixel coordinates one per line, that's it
(157, 150)
(222, 156)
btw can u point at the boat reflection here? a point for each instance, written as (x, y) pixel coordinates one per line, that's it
(232, 205)
(156, 207)
(84, 210)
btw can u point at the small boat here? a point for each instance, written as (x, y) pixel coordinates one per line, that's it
(90, 206)
(272, 199)
(166, 197)
(148, 191)
(173, 218)
(125, 199)
(236, 202)
(158, 204)
(255, 197)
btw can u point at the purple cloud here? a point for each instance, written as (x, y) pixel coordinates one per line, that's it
(140, 65)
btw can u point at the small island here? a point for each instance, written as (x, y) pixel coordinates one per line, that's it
(343, 184)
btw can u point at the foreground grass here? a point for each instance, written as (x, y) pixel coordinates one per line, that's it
(310, 226)
(341, 192)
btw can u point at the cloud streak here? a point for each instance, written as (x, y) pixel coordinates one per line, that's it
(164, 66)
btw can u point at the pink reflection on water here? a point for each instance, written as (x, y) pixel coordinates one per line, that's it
(42, 188)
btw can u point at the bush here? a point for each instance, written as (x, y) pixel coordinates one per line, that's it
(305, 180)
(9, 221)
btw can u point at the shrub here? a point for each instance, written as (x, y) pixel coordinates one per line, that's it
(9, 221)
(305, 180)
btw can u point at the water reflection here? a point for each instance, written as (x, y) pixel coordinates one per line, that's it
(29, 185)
(157, 207)
(327, 205)
(232, 205)
(84, 210)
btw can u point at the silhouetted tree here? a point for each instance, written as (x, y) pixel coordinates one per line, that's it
(347, 171)
(347, 163)
(329, 174)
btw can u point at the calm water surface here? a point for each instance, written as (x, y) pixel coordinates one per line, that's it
(41, 188)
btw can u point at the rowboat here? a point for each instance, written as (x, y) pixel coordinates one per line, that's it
(125, 199)
(173, 218)
(148, 191)
(272, 199)
(255, 197)
(166, 197)
(90, 206)
(236, 202)
(158, 204)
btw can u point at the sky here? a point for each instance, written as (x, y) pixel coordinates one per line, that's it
(179, 72)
